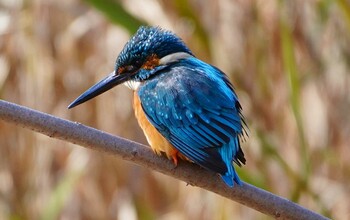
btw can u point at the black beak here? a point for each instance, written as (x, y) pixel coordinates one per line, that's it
(105, 84)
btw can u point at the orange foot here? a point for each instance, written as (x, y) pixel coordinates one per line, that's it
(174, 156)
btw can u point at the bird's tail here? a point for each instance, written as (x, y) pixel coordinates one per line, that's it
(229, 154)
(230, 179)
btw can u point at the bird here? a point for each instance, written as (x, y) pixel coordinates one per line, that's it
(187, 108)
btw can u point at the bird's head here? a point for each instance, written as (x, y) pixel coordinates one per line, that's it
(148, 51)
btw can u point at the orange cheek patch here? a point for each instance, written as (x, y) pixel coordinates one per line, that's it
(151, 62)
(120, 70)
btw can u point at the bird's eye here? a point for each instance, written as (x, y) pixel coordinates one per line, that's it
(138, 63)
(127, 69)
(130, 68)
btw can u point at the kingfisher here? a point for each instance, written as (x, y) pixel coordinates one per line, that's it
(187, 108)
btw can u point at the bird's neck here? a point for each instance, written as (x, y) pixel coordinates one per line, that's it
(174, 57)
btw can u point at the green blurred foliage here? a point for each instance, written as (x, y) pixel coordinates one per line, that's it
(116, 13)
(289, 62)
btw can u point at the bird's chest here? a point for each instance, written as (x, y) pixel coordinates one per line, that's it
(157, 142)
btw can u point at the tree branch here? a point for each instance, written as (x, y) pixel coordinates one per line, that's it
(88, 137)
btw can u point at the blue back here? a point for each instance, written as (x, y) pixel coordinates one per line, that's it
(193, 105)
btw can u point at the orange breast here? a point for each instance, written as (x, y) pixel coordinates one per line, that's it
(158, 143)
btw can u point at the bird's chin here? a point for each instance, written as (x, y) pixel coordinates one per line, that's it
(132, 84)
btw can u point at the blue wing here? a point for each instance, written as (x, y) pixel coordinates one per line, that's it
(193, 105)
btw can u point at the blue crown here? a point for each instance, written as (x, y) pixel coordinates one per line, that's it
(150, 41)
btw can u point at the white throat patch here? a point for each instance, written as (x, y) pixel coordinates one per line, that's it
(132, 84)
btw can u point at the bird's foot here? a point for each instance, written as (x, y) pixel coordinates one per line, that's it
(175, 160)
(174, 155)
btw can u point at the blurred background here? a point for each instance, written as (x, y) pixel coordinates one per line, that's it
(288, 60)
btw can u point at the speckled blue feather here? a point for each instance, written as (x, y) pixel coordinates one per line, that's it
(193, 105)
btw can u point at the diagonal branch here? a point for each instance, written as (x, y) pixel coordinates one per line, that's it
(88, 137)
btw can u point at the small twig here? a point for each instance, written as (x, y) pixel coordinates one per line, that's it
(77, 133)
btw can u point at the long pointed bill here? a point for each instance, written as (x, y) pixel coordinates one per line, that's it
(105, 84)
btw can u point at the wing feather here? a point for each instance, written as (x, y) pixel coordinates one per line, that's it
(196, 111)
